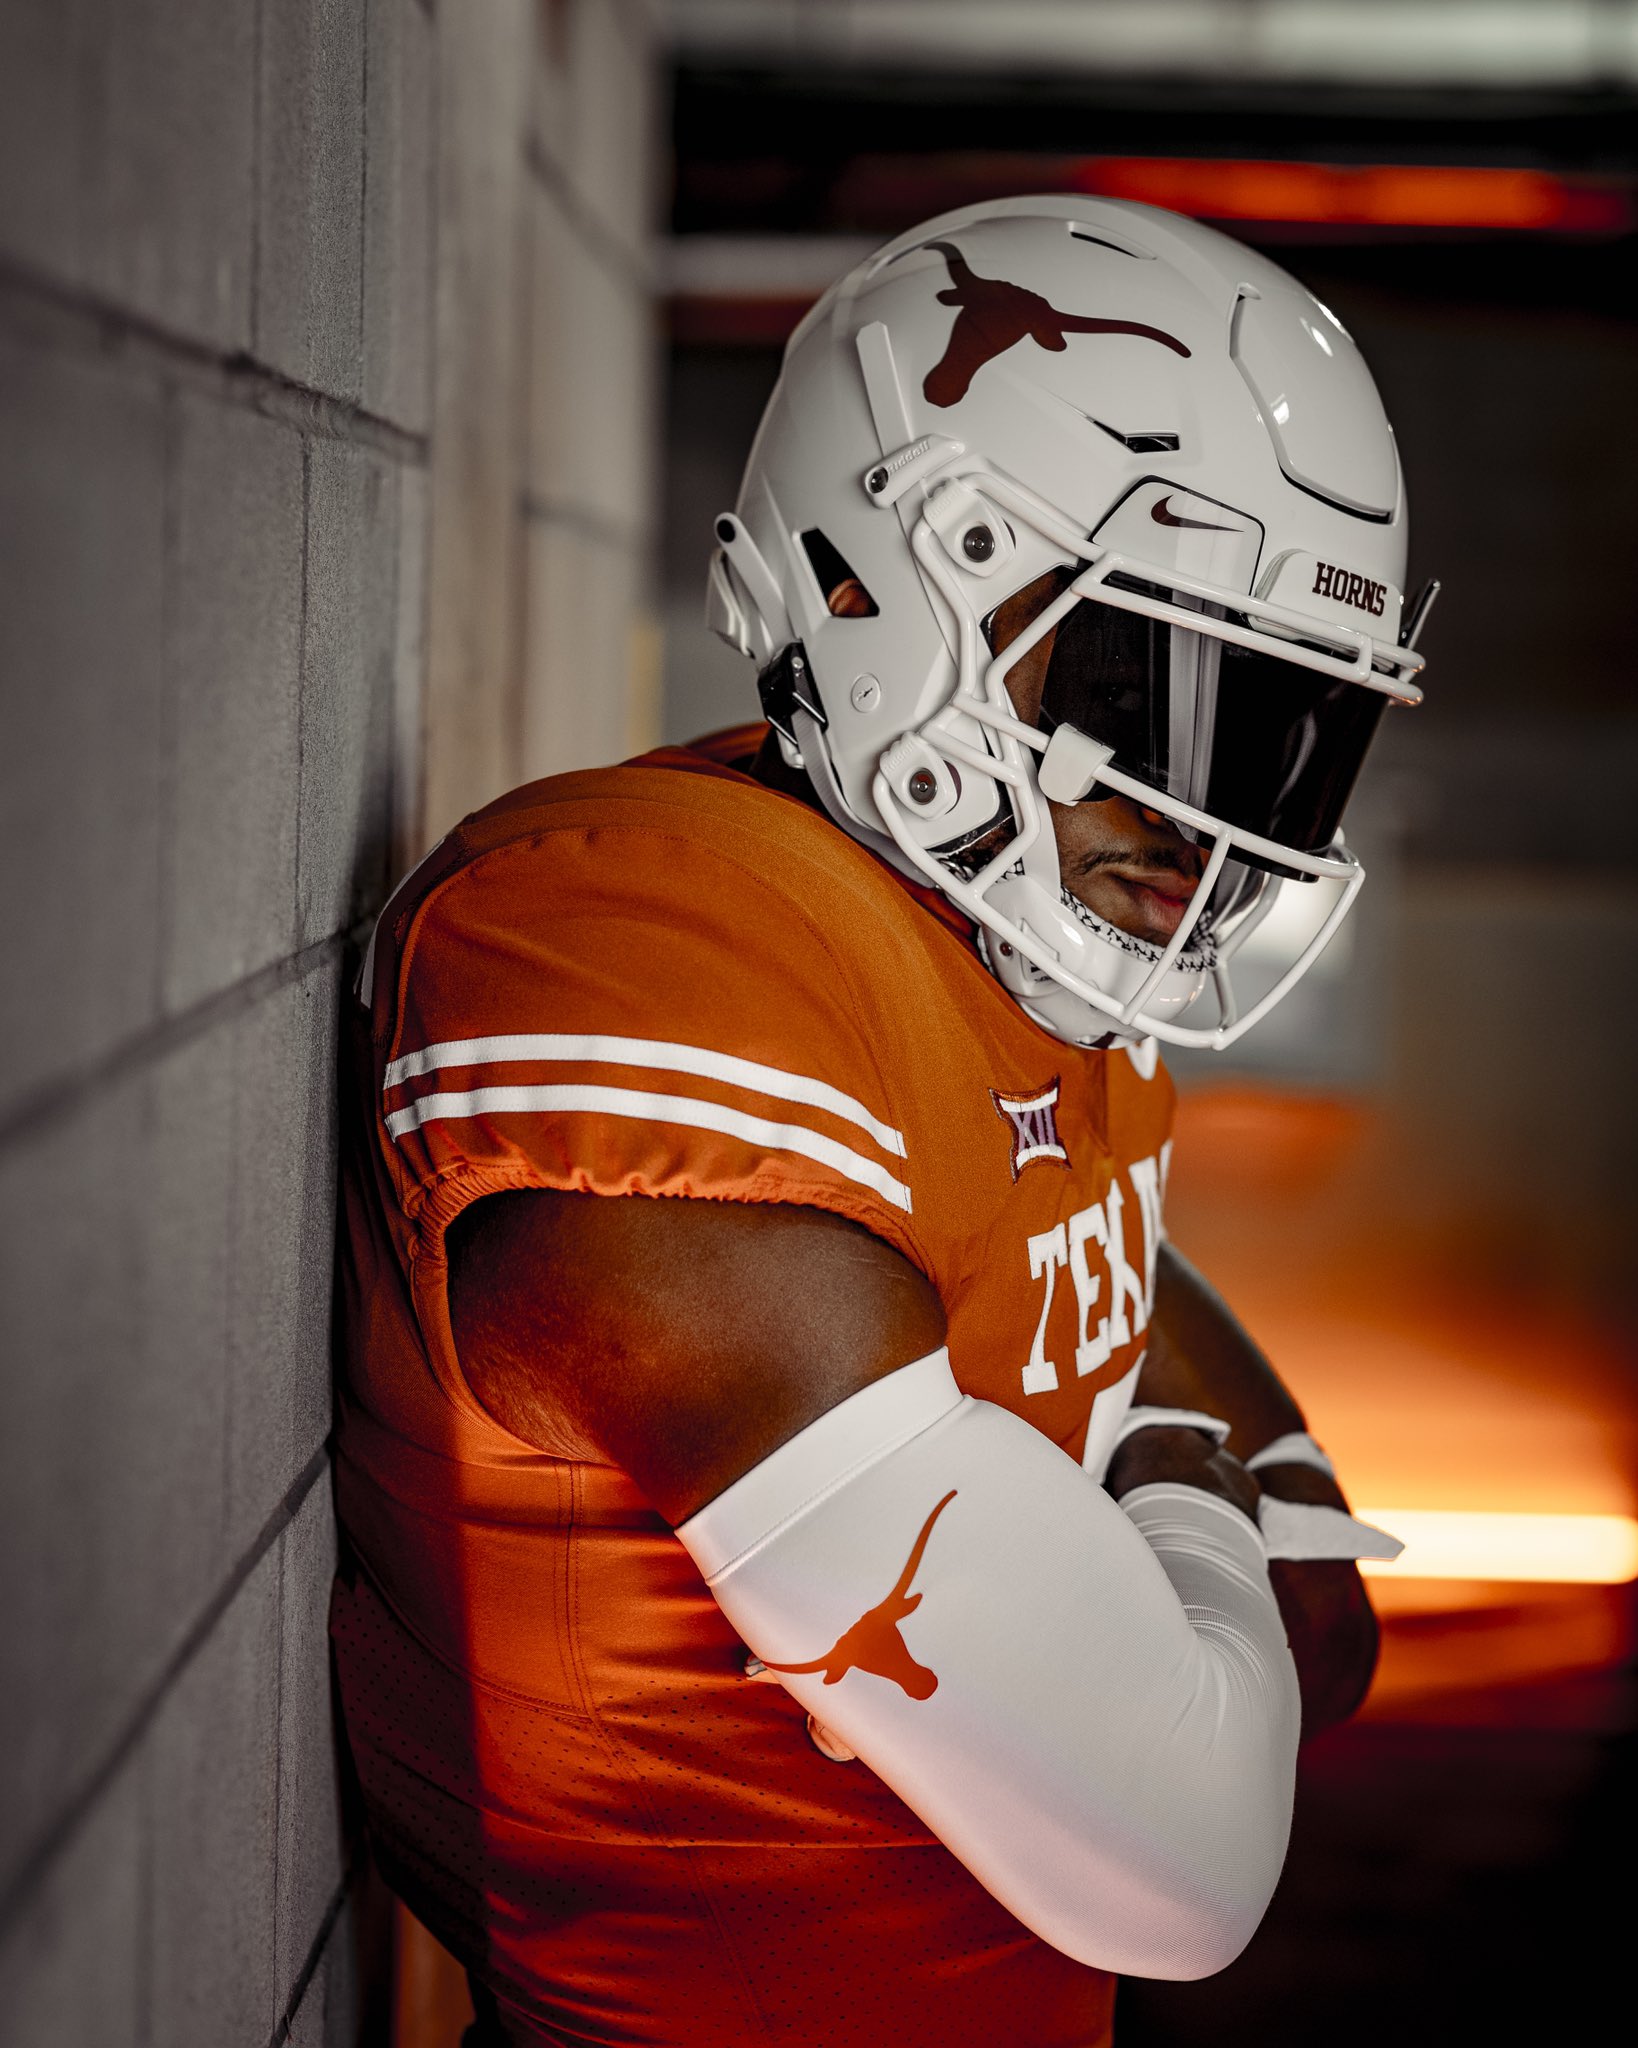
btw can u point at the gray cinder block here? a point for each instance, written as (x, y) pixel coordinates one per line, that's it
(590, 364)
(307, 2021)
(343, 1990)
(347, 682)
(233, 659)
(409, 677)
(283, 1219)
(401, 132)
(310, 193)
(166, 129)
(310, 1845)
(69, 1963)
(113, 1258)
(581, 601)
(329, 2013)
(42, 58)
(212, 1758)
(81, 534)
(612, 117)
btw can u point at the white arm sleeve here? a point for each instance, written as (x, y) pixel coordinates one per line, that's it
(1091, 1705)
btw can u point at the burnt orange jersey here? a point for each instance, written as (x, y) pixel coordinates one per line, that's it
(660, 980)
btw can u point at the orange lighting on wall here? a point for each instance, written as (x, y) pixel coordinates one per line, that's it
(1362, 195)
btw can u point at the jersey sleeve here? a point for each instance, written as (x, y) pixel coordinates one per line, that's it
(622, 1012)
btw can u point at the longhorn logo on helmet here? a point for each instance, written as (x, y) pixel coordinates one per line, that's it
(994, 316)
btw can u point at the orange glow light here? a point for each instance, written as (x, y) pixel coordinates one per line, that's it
(1564, 1550)
(1362, 195)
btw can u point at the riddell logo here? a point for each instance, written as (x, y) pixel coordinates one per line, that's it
(873, 1643)
(1348, 588)
(994, 316)
(908, 454)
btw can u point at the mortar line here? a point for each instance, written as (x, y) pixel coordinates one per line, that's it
(601, 242)
(80, 320)
(586, 519)
(20, 1887)
(43, 1105)
(315, 1954)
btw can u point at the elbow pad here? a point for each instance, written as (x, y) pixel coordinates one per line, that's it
(1091, 1705)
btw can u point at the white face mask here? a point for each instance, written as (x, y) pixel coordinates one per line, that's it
(1185, 703)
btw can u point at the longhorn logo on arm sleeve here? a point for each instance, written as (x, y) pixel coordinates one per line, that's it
(873, 1643)
(993, 316)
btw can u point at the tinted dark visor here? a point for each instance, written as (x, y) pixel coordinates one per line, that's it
(1256, 741)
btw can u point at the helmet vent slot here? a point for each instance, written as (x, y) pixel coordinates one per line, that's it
(1103, 242)
(1141, 444)
(844, 594)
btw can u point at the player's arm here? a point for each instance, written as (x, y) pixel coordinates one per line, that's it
(1092, 1705)
(1200, 1356)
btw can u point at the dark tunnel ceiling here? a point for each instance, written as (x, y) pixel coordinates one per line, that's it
(835, 151)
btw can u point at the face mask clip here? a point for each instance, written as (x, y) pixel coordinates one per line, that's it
(1071, 765)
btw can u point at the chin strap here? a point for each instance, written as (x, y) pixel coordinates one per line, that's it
(785, 686)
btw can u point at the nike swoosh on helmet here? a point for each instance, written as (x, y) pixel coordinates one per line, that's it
(1163, 515)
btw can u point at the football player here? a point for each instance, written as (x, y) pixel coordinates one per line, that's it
(822, 1567)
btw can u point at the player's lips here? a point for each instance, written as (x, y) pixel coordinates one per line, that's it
(1160, 896)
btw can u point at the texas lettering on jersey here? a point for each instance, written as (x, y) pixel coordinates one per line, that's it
(1092, 1245)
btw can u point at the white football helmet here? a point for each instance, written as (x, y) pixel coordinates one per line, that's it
(1189, 445)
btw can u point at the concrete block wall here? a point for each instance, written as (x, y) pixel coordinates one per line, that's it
(260, 472)
(592, 682)
(539, 605)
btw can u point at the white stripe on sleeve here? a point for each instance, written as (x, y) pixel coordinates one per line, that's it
(658, 1053)
(665, 1109)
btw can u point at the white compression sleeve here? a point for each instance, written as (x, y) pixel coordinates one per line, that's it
(1091, 1705)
